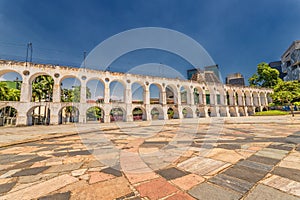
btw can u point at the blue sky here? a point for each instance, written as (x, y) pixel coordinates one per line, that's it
(237, 34)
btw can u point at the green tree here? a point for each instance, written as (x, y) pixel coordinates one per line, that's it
(265, 76)
(286, 92)
(3, 91)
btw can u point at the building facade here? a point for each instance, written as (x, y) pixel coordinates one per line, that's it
(189, 98)
(235, 79)
(291, 62)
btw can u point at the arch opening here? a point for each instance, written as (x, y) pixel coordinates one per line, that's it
(8, 116)
(95, 91)
(10, 86)
(69, 114)
(187, 112)
(117, 115)
(117, 92)
(137, 93)
(155, 94)
(70, 90)
(38, 115)
(138, 114)
(95, 114)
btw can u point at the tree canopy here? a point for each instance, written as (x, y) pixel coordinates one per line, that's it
(265, 76)
(286, 92)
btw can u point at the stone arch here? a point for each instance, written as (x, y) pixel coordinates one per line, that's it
(262, 98)
(8, 116)
(222, 111)
(185, 95)
(68, 114)
(248, 98)
(212, 111)
(13, 88)
(38, 115)
(198, 96)
(250, 111)
(200, 112)
(117, 90)
(242, 111)
(71, 92)
(155, 91)
(138, 92)
(187, 112)
(232, 112)
(230, 97)
(173, 113)
(96, 87)
(42, 88)
(171, 94)
(264, 108)
(95, 114)
(255, 98)
(157, 113)
(239, 98)
(139, 113)
(117, 114)
(269, 98)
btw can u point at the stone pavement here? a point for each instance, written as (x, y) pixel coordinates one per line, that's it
(238, 158)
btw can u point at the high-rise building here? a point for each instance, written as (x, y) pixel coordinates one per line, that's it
(291, 62)
(213, 68)
(277, 65)
(235, 79)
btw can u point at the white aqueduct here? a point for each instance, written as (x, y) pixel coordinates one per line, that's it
(224, 100)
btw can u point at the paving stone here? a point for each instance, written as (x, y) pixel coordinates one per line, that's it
(229, 146)
(202, 166)
(255, 165)
(272, 153)
(99, 176)
(95, 163)
(10, 158)
(41, 189)
(156, 189)
(6, 187)
(126, 196)
(112, 171)
(110, 189)
(188, 181)
(268, 193)
(60, 154)
(30, 171)
(245, 173)
(213, 192)
(75, 153)
(35, 178)
(57, 196)
(180, 196)
(9, 173)
(263, 160)
(236, 184)
(225, 155)
(286, 147)
(171, 173)
(283, 184)
(289, 173)
(64, 168)
(78, 172)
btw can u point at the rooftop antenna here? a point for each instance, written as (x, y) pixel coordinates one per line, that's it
(29, 51)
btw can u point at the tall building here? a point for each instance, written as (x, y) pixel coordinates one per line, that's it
(213, 68)
(235, 79)
(277, 65)
(291, 62)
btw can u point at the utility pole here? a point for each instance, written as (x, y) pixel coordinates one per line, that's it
(29, 52)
